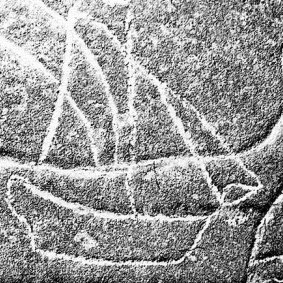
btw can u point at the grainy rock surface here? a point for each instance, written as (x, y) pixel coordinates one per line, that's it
(141, 141)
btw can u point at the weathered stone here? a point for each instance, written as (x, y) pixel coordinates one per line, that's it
(141, 141)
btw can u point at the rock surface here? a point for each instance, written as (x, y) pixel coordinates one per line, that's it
(141, 141)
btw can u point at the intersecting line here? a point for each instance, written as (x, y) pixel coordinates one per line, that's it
(268, 141)
(63, 89)
(81, 210)
(260, 232)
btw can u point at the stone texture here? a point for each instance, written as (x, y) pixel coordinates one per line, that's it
(182, 101)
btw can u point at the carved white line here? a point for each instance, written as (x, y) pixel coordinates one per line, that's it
(199, 236)
(242, 199)
(261, 230)
(51, 131)
(107, 170)
(132, 77)
(207, 125)
(84, 210)
(271, 139)
(82, 260)
(208, 179)
(25, 58)
(89, 129)
(20, 218)
(266, 260)
(86, 173)
(113, 38)
(244, 187)
(117, 2)
(51, 255)
(213, 131)
(91, 172)
(130, 190)
(250, 172)
(93, 62)
(252, 191)
(56, 256)
(164, 91)
(132, 111)
(56, 16)
(91, 59)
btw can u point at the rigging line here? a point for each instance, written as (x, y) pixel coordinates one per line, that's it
(63, 88)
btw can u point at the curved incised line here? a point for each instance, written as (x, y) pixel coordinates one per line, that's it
(79, 210)
(271, 139)
(84, 210)
(276, 132)
(162, 89)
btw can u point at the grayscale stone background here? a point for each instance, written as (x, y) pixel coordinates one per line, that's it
(141, 141)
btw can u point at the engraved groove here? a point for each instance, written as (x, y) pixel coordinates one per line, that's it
(88, 126)
(164, 90)
(84, 210)
(51, 255)
(270, 139)
(24, 57)
(63, 89)
(132, 112)
(260, 231)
